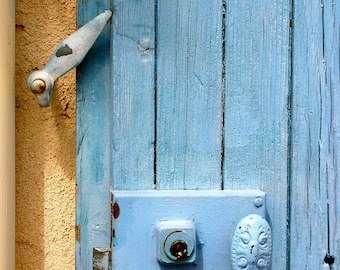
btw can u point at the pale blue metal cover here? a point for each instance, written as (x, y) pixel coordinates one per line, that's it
(215, 213)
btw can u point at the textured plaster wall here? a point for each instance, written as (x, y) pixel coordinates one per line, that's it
(45, 141)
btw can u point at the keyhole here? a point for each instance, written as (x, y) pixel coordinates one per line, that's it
(179, 249)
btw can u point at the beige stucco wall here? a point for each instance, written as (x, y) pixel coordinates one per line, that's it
(45, 141)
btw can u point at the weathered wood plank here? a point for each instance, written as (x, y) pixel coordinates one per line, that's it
(133, 94)
(189, 100)
(332, 80)
(315, 134)
(189, 94)
(93, 172)
(256, 115)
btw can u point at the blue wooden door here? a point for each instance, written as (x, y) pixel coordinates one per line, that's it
(213, 95)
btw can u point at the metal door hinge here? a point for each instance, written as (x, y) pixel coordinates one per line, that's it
(68, 54)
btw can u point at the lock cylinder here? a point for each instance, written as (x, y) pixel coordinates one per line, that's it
(176, 242)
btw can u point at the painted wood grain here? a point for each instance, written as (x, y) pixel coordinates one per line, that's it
(331, 28)
(315, 129)
(185, 91)
(93, 174)
(256, 108)
(133, 64)
(189, 94)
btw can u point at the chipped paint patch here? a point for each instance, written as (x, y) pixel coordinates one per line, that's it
(63, 51)
(101, 258)
(116, 210)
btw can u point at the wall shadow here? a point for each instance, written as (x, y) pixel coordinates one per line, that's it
(45, 142)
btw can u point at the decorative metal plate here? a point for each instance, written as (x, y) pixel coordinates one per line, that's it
(216, 215)
(251, 244)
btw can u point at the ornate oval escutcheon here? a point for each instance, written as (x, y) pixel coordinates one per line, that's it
(251, 244)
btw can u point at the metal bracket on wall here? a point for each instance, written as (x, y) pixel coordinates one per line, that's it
(68, 54)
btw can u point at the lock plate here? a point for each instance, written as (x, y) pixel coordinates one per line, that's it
(215, 214)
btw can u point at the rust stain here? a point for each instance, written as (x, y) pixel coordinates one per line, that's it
(78, 73)
(78, 26)
(116, 210)
(76, 192)
(113, 13)
(19, 28)
(40, 87)
(77, 233)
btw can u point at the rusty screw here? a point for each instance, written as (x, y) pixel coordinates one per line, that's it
(38, 86)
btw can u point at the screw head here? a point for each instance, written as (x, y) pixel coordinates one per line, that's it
(144, 45)
(38, 86)
(258, 202)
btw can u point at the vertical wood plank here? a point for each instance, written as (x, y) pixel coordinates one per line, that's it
(308, 193)
(256, 115)
(133, 50)
(93, 172)
(189, 91)
(331, 28)
(315, 134)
